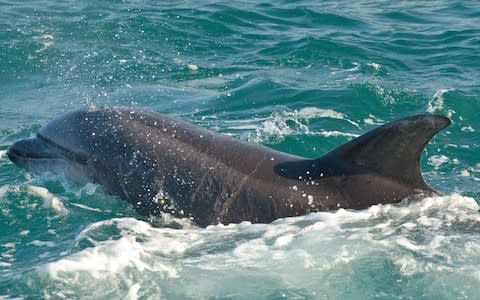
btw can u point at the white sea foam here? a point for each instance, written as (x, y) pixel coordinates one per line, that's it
(5, 265)
(88, 189)
(49, 200)
(85, 207)
(376, 66)
(468, 129)
(284, 122)
(4, 190)
(46, 40)
(387, 96)
(372, 120)
(42, 243)
(133, 292)
(437, 160)
(9, 246)
(192, 67)
(437, 102)
(315, 113)
(331, 133)
(476, 168)
(110, 258)
(244, 127)
(356, 67)
(3, 153)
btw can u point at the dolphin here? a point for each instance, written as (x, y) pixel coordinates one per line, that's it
(161, 164)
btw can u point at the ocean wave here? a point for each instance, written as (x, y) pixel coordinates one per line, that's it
(434, 235)
(285, 122)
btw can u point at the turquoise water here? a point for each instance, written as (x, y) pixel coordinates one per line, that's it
(299, 76)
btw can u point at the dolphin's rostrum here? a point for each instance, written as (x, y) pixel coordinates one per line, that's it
(160, 164)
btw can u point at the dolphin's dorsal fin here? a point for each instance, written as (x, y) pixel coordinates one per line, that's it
(394, 149)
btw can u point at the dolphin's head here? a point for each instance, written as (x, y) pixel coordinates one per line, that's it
(113, 147)
(62, 147)
(38, 156)
(79, 144)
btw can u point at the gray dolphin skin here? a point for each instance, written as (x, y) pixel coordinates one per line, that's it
(160, 164)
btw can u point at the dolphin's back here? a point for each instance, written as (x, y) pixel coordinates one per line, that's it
(85, 130)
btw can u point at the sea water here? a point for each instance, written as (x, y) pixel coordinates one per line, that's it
(302, 77)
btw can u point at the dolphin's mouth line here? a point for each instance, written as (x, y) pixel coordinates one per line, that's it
(63, 152)
(30, 155)
(32, 149)
(40, 148)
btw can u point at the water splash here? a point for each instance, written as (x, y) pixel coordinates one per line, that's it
(436, 236)
(285, 122)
